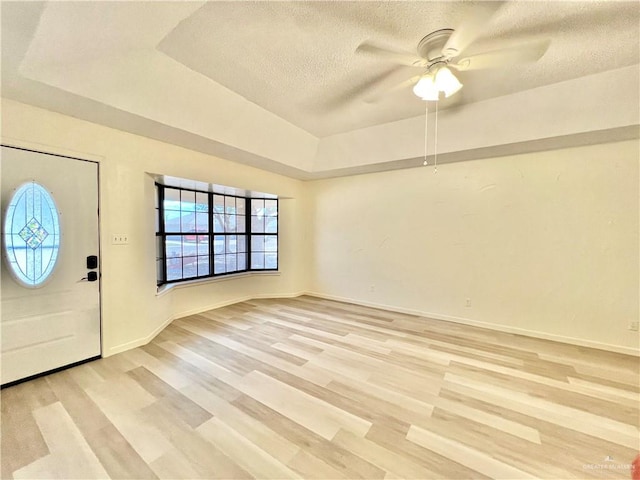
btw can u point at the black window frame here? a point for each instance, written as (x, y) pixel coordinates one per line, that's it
(162, 233)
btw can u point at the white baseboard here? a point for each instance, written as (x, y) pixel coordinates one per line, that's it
(146, 339)
(490, 326)
(138, 342)
(448, 318)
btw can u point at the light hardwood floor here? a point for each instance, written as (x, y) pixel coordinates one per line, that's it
(310, 388)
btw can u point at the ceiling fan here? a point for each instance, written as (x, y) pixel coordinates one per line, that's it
(442, 50)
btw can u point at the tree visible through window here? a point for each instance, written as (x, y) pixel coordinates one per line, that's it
(203, 234)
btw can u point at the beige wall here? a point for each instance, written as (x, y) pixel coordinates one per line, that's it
(131, 311)
(543, 243)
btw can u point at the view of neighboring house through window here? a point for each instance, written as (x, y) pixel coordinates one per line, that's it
(203, 234)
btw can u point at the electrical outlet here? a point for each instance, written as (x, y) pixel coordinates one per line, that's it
(467, 303)
(633, 326)
(120, 239)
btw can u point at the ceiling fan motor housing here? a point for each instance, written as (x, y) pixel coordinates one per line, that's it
(430, 47)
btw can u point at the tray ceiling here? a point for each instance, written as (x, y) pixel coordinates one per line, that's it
(266, 83)
(298, 60)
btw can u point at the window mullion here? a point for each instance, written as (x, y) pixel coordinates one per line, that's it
(210, 233)
(163, 235)
(247, 228)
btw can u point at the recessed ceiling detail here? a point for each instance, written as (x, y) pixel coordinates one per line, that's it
(280, 85)
(298, 59)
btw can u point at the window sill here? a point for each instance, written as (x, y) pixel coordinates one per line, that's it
(201, 281)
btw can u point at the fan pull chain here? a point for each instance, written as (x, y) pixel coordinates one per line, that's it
(426, 125)
(435, 144)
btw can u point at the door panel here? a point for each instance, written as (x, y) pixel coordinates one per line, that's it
(58, 322)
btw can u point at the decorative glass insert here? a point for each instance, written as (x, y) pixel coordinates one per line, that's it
(31, 234)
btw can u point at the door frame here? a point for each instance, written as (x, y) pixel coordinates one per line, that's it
(63, 153)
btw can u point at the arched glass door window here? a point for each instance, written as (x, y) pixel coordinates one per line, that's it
(31, 234)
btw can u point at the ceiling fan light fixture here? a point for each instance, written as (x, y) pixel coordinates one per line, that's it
(447, 82)
(430, 85)
(426, 89)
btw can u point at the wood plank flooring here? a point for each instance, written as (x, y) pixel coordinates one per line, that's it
(310, 388)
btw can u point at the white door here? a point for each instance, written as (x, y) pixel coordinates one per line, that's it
(50, 308)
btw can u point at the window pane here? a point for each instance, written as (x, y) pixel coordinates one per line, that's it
(241, 223)
(230, 223)
(188, 222)
(270, 243)
(270, 260)
(218, 264)
(174, 246)
(218, 244)
(188, 201)
(257, 243)
(230, 204)
(271, 208)
(202, 222)
(257, 260)
(218, 204)
(231, 263)
(241, 246)
(241, 206)
(242, 261)
(171, 221)
(231, 244)
(32, 234)
(218, 222)
(257, 224)
(257, 206)
(203, 266)
(190, 267)
(174, 268)
(271, 224)
(171, 199)
(203, 245)
(202, 202)
(189, 246)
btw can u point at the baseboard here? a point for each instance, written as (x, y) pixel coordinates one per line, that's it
(139, 341)
(490, 326)
(144, 340)
(392, 308)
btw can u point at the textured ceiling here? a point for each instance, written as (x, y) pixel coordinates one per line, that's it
(280, 85)
(298, 59)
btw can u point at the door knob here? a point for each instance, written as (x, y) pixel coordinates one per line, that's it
(91, 277)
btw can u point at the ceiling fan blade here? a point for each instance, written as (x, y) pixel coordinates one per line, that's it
(529, 52)
(402, 58)
(473, 25)
(378, 94)
(369, 91)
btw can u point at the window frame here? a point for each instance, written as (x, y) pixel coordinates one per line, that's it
(162, 266)
(17, 202)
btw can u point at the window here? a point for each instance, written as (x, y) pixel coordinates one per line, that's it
(230, 234)
(31, 235)
(264, 238)
(203, 234)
